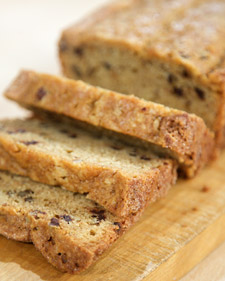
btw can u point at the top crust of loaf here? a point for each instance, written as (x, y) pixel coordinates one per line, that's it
(169, 29)
(184, 136)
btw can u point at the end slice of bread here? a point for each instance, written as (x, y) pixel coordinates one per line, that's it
(70, 230)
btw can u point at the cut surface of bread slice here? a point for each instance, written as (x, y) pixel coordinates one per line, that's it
(183, 136)
(70, 230)
(159, 50)
(121, 178)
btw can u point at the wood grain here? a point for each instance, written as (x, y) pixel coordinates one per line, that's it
(211, 268)
(173, 235)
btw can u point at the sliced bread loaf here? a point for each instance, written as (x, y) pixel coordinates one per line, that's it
(121, 178)
(183, 136)
(70, 230)
(169, 52)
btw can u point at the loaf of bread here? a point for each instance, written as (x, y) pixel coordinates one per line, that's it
(70, 230)
(169, 52)
(181, 135)
(121, 178)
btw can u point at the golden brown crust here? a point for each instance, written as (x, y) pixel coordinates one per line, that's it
(121, 24)
(14, 226)
(61, 243)
(184, 135)
(218, 77)
(45, 160)
(176, 33)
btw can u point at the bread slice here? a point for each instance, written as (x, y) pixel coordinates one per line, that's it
(169, 52)
(121, 178)
(70, 230)
(182, 136)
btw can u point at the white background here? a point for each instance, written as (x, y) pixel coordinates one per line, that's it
(29, 31)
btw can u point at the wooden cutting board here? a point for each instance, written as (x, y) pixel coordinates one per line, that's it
(173, 235)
